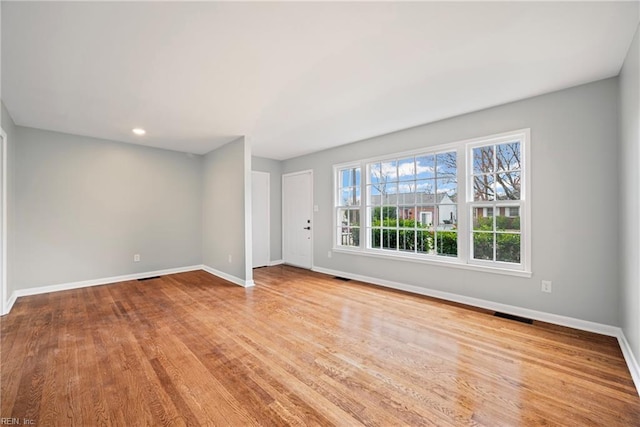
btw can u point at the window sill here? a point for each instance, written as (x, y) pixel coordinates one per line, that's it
(451, 263)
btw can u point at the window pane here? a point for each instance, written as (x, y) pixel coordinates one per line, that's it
(447, 186)
(424, 241)
(389, 171)
(425, 167)
(446, 163)
(481, 220)
(406, 240)
(407, 187)
(483, 188)
(483, 160)
(354, 217)
(406, 169)
(508, 186)
(483, 246)
(405, 213)
(374, 191)
(508, 247)
(389, 239)
(389, 215)
(425, 215)
(389, 188)
(350, 197)
(426, 186)
(375, 174)
(447, 217)
(508, 157)
(507, 222)
(447, 243)
(375, 238)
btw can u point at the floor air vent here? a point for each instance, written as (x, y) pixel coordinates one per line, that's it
(148, 278)
(344, 279)
(512, 317)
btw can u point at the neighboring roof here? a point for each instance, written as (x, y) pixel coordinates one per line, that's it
(411, 199)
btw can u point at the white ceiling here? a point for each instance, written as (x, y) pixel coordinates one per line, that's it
(293, 77)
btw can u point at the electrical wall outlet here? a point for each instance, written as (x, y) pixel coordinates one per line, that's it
(545, 286)
(230, 259)
(136, 258)
(329, 254)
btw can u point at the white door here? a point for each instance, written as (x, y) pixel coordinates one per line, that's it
(297, 200)
(260, 221)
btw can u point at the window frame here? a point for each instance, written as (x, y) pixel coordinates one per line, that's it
(464, 205)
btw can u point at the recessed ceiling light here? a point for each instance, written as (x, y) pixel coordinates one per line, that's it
(139, 131)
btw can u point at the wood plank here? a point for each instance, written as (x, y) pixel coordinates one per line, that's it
(300, 348)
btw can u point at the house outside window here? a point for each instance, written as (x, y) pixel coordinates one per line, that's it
(464, 204)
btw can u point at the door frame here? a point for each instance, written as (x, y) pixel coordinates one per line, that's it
(311, 211)
(268, 213)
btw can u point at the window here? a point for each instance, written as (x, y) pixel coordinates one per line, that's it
(411, 204)
(496, 179)
(462, 204)
(348, 206)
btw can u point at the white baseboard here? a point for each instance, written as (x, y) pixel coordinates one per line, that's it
(276, 262)
(632, 362)
(115, 279)
(228, 277)
(583, 325)
(102, 281)
(570, 322)
(9, 304)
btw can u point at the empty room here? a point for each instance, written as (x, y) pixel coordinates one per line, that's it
(320, 213)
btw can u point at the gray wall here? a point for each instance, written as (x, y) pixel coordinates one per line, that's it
(574, 221)
(85, 206)
(629, 113)
(223, 206)
(274, 168)
(10, 129)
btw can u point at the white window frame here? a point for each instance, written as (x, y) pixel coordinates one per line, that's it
(523, 137)
(464, 207)
(337, 205)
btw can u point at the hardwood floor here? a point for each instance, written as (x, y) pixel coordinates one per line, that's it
(298, 349)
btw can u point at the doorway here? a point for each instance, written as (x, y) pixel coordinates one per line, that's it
(297, 209)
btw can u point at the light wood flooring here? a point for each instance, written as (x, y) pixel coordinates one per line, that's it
(300, 348)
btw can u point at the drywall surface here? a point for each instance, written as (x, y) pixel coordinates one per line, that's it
(629, 113)
(574, 162)
(85, 206)
(223, 206)
(10, 129)
(274, 168)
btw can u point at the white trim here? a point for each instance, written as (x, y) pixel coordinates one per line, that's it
(632, 362)
(439, 261)
(248, 224)
(570, 322)
(116, 279)
(556, 319)
(464, 154)
(4, 303)
(276, 262)
(103, 281)
(10, 302)
(228, 277)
